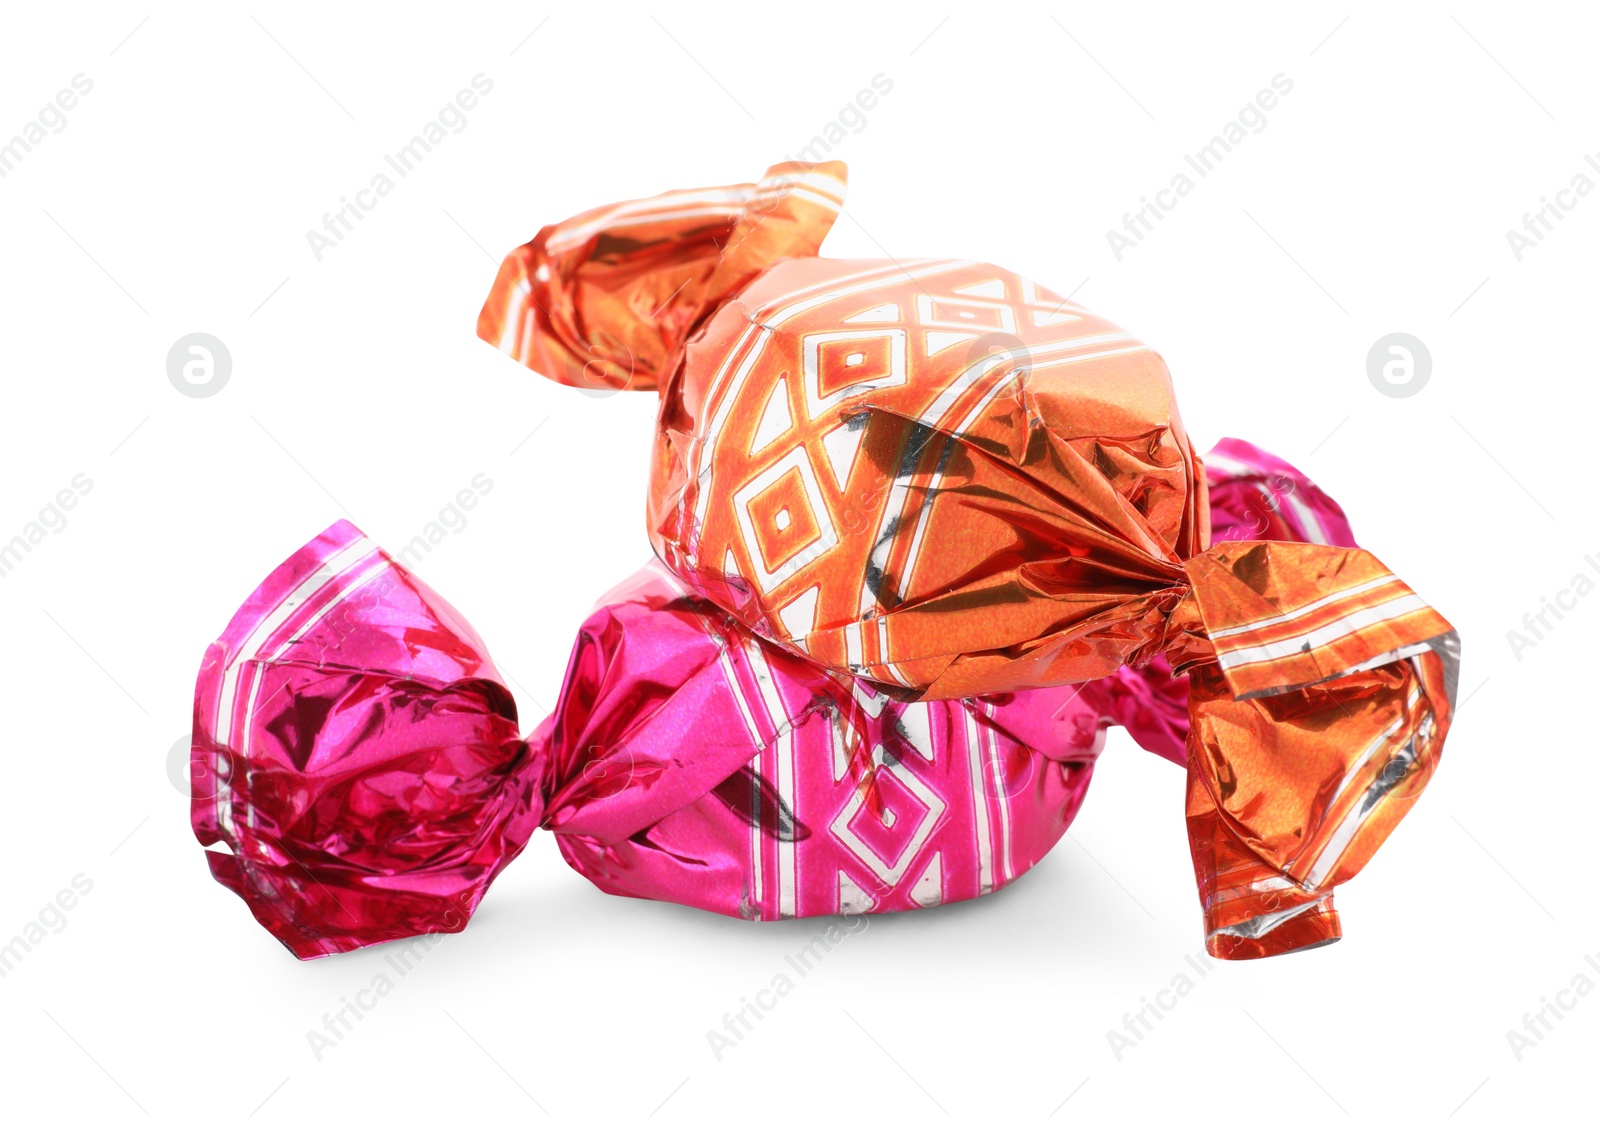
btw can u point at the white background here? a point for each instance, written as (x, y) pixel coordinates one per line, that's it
(1377, 199)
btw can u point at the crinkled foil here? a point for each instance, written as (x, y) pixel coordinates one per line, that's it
(924, 529)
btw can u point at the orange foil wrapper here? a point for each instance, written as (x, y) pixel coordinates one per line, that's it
(944, 479)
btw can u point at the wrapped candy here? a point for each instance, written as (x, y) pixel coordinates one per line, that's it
(360, 757)
(924, 529)
(941, 478)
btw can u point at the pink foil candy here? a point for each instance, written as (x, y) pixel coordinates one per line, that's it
(357, 752)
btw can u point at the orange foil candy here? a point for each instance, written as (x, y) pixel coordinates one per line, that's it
(942, 478)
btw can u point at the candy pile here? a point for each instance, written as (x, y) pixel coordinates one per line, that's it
(923, 531)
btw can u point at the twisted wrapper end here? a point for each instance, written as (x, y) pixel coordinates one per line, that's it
(357, 754)
(1316, 720)
(607, 299)
(1253, 494)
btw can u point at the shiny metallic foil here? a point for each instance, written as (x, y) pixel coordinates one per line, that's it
(359, 757)
(924, 528)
